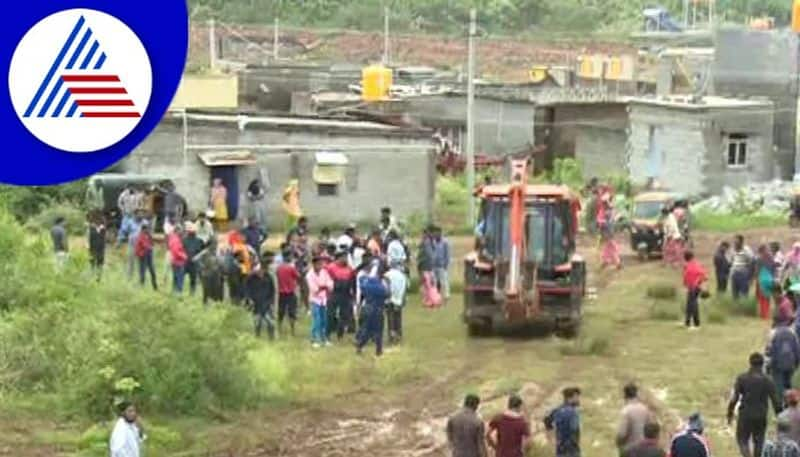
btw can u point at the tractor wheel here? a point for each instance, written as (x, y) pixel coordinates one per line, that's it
(479, 329)
(568, 330)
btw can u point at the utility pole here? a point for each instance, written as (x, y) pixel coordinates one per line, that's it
(386, 56)
(212, 45)
(686, 14)
(275, 43)
(471, 116)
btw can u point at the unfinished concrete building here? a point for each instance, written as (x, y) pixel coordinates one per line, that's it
(758, 63)
(593, 132)
(700, 146)
(347, 169)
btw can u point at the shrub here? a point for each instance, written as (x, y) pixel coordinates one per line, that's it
(27, 201)
(665, 310)
(160, 440)
(592, 340)
(74, 217)
(621, 183)
(567, 171)
(747, 307)
(91, 344)
(662, 291)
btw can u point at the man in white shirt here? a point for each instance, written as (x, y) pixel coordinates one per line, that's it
(398, 286)
(395, 251)
(127, 436)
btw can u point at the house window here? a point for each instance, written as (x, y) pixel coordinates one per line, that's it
(328, 172)
(327, 190)
(737, 150)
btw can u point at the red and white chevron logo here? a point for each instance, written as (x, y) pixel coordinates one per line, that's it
(87, 92)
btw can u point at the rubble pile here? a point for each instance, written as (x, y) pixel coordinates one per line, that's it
(755, 198)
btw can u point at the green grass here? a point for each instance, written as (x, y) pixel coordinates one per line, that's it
(619, 342)
(729, 223)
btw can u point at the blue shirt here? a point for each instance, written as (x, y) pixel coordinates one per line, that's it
(566, 421)
(129, 229)
(441, 253)
(373, 291)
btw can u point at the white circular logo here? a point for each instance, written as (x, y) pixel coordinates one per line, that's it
(80, 80)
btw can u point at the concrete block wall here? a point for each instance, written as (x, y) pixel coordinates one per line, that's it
(693, 148)
(403, 178)
(601, 152)
(501, 127)
(682, 144)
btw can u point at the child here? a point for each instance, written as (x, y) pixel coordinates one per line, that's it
(693, 278)
(722, 266)
(287, 297)
(398, 286)
(320, 286)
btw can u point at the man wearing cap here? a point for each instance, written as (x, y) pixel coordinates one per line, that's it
(691, 442)
(753, 391)
(791, 414)
(193, 245)
(783, 445)
(340, 308)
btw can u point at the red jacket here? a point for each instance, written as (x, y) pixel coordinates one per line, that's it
(144, 244)
(287, 278)
(694, 274)
(177, 253)
(339, 272)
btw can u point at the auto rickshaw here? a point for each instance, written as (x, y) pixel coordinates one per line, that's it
(103, 190)
(794, 208)
(646, 235)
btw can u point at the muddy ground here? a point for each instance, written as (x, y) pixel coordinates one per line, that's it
(506, 58)
(679, 373)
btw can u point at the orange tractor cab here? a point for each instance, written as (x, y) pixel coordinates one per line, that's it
(525, 269)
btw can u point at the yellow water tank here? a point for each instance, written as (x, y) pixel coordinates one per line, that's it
(376, 80)
(796, 16)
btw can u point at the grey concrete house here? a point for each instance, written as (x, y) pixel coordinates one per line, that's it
(347, 169)
(763, 63)
(698, 147)
(593, 132)
(503, 125)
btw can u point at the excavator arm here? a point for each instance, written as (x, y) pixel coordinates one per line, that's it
(515, 302)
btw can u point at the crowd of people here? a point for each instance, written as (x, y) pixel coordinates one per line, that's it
(638, 433)
(348, 284)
